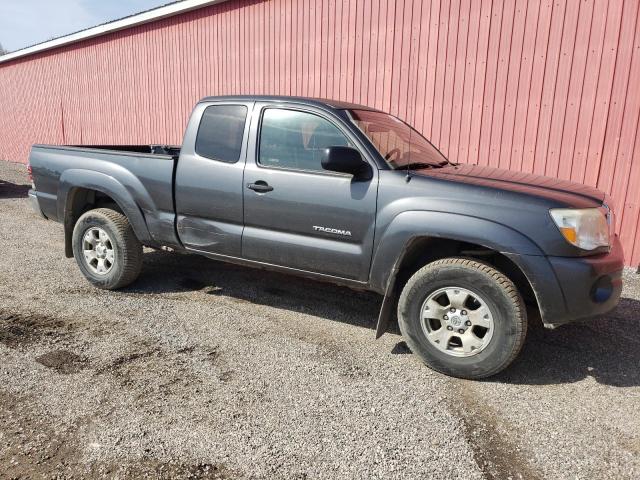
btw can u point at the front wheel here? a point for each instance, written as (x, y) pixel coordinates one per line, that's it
(462, 317)
(106, 249)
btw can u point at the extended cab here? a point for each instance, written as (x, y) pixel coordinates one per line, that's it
(351, 195)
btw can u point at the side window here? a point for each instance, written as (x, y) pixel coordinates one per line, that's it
(220, 132)
(292, 139)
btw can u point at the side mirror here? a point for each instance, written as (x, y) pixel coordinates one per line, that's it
(346, 160)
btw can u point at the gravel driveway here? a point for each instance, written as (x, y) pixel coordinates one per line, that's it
(206, 370)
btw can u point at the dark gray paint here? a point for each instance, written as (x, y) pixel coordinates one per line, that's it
(216, 214)
(279, 224)
(208, 194)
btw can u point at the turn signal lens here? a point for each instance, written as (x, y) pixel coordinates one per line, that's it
(585, 228)
(570, 234)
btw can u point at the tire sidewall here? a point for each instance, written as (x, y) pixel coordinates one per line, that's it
(506, 331)
(95, 219)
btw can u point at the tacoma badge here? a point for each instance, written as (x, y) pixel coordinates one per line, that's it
(345, 233)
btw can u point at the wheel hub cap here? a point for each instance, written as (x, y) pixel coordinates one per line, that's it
(98, 250)
(457, 321)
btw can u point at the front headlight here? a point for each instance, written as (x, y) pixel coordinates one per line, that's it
(586, 228)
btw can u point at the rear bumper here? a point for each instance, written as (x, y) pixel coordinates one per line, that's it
(574, 288)
(33, 201)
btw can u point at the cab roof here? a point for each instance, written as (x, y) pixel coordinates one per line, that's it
(318, 102)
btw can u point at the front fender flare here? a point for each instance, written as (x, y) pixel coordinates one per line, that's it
(394, 242)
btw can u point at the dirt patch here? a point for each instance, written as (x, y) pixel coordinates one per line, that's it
(131, 357)
(62, 361)
(355, 371)
(123, 365)
(34, 445)
(150, 468)
(226, 376)
(341, 361)
(175, 374)
(30, 448)
(20, 329)
(496, 456)
(212, 355)
(186, 350)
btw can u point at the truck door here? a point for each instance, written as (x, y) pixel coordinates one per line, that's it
(208, 183)
(296, 214)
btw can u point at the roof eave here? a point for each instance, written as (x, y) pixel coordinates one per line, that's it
(124, 23)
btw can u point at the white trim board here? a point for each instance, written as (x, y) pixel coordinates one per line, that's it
(127, 22)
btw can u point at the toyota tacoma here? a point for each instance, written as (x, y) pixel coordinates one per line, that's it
(347, 194)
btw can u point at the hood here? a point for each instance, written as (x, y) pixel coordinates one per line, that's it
(563, 192)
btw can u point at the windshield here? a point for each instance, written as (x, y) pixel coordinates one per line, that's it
(400, 145)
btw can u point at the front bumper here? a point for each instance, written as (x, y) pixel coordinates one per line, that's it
(574, 288)
(591, 286)
(33, 200)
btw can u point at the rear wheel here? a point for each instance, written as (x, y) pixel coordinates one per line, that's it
(106, 249)
(462, 317)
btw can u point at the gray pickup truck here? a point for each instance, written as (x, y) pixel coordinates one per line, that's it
(347, 194)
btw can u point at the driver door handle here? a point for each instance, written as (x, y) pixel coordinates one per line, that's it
(260, 186)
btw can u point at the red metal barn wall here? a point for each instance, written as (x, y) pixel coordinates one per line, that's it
(540, 86)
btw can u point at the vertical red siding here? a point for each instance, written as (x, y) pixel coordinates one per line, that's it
(537, 86)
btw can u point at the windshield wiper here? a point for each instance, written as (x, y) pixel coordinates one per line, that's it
(417, 165)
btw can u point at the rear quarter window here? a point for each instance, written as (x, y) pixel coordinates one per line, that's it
(221, 131)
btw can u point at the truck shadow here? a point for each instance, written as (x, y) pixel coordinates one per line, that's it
(13, 190)
(174, 273)
(607, 348)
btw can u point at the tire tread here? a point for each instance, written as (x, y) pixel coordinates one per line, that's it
(131, 250)
(507, 286)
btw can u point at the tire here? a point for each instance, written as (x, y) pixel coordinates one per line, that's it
(493, 318)
(105, 237)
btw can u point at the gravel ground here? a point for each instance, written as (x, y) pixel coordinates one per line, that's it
(206, 370)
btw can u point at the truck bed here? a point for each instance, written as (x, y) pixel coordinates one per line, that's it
(146, 173)
(173, 150)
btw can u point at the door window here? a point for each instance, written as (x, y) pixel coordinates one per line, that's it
(221, 131)
(295, 140)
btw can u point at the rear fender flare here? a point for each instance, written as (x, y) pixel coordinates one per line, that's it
(108, 185)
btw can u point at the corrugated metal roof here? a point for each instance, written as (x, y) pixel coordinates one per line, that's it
(164, 11)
